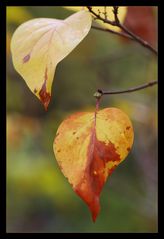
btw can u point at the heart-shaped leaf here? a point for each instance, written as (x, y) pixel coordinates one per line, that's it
(88, 147)
(38, 45)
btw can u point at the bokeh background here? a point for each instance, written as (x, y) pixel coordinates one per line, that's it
(39, 198)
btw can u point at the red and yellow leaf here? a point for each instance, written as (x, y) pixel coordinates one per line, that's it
(88, 147)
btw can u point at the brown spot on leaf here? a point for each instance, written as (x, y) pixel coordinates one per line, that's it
(44, 95)
(128, 127)
(128, 148)
(35, 90)
(59, 150)
(74, 132)
(26, 58)
(95, 173)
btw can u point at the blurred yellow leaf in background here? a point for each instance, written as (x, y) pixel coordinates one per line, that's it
(17, 15)
(110, 16)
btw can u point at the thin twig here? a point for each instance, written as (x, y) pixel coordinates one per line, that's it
(101, 92)
(101, 18)
(127, 32)
(138, 39)
(105, 13)
(115, 12)
(114, 32)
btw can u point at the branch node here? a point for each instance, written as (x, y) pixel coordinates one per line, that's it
(115, 12)
(98, 94)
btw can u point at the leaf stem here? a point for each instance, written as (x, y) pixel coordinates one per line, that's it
(97, 104)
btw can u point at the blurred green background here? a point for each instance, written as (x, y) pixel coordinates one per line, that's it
(39, 198)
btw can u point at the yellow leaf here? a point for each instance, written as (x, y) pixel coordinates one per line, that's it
(109, 10)
(88, 146)
(38, 45)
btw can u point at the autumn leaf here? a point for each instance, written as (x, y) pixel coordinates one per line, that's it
(88, 146)
(109, 12)
(38, 45)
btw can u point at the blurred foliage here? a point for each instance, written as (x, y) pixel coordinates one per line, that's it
(39, 198)
(142, 22)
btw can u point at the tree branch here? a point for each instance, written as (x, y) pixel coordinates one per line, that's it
(138, 39)
(114, 32)
(126, 32)
(97, 16)
(100, 93)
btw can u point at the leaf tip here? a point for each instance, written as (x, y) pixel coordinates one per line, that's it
(94, 217)
(43, 94)
(46, 102)
(44, 97)
(95, 208)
